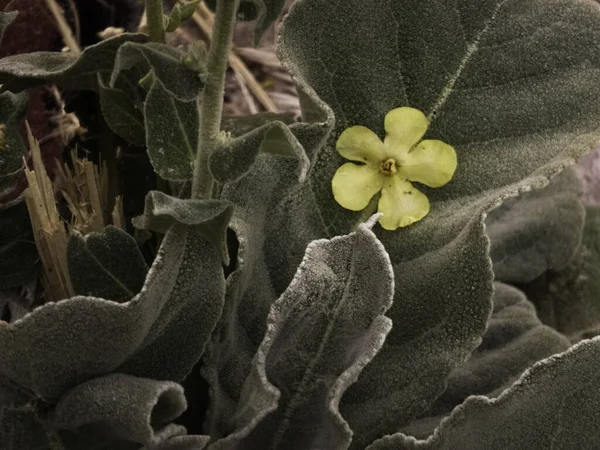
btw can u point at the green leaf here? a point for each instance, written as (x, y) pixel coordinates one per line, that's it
(553, 405)
(210, 217)
(18, 253)
(120, 407)
(514, 340)
(160, 334)
(175, 77)
(19, 72)
(171, 133)
(121, 114)
(265, 12)
(6, 19)
(538, 231)
(180, 13)
(107, 264)
(321, 332)
(240, 125)
(234, 158)
(13, 108)
(512, 86)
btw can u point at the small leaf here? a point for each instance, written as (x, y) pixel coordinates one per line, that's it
(553, 405)
(235, 158)
(173, 20)
(321, 332)
(210, 217)
(121, 114)
(167, 62)
(514, 340)
(19, 72)
(188, 8)
(171, 133)
(538, 231)
(107, 265)
(120, 407)
(6, 19)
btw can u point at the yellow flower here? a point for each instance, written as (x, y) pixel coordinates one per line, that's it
(390, 166)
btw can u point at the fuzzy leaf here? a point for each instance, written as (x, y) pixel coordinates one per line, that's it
(6, 19)
(175, 77)
(265, 12)
(553, 405)
(321, 332)
(171, 133)
(538, 231)
(21, 428)
(161, 333)
(210, 217)
(107, 265)
(240, 125)
(120, 407)
(122, 114)
(494, 78)
(13, 108)
(19, 72)
(234, 158)
(18, 254)
(514, 340)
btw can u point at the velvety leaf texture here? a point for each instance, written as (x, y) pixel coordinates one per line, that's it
(171, 133)
(6, 19)
(25, 70)
(538, 231)
(514, 340)
(160, 333)
(321, 332)
(13, 108)
(210, 217)
(121, 407)
(239, 125)
(175, 77)
(234, 158)
(511, 85)
(553, 405)
(107, 265)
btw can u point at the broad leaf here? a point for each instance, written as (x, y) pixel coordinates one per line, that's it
(234, 158)
(538, 231)
(21, 428)
(6, 19)
(321, 332)
(553, 405)
(171, 133)
(65, 69)
(161, 333)
(240, 125)
(107, 265)
(514, 340)
(117, 407)
(494, 78)
(265, 12)
(175, 77)
(210, 217)
(18, 254)
(122, 114)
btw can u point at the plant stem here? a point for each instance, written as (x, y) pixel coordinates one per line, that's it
(212, 100)
(154, 15)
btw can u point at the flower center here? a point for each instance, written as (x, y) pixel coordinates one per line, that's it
(388, 167)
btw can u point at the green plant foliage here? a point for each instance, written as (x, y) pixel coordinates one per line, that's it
(240, 125)
(491, 77)
(180, 13)
(56, 346)
(265, 12)
(209, 217)
(19, 72)
(553, 405)
(13, 108)
(321, 332)
(121, 114)
(171, 133)
(539, 231)
(6, 19)
(167, 63)
(234, 158)
(120, 407)
(514, 340)
(107, 265)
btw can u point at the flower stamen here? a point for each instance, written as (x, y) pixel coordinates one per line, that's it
(388, 167)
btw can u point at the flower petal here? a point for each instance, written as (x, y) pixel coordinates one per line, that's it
(360, 144)
(354, 186)
(401, 204)
(431, 162)
(405, 127)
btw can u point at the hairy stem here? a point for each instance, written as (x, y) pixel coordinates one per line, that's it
(212, 100)
(154, 15)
